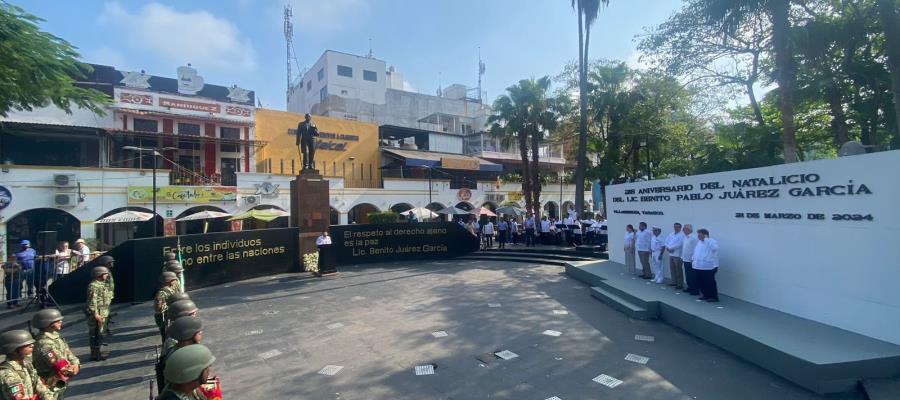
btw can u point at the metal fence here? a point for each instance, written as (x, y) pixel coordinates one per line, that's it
(27, 280)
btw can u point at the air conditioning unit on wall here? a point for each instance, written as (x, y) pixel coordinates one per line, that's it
(65, 199)
(64, 180)
(251, 200)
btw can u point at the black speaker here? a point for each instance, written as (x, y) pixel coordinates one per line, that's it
(45, 243)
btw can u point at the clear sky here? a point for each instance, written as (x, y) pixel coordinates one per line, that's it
(241, 41)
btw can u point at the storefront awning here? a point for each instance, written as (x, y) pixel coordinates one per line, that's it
(449, 161)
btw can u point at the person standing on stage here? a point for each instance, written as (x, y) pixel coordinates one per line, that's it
(642, 243)
(629, 249)
(674, 241)
(12, 281)
(83, 253)
(706, 263)
(687, 256)
(656, 247)
(26, 257)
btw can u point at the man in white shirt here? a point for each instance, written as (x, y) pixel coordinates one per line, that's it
(706, 264)
(514, 230)
(488, 230)
(687, 255)
(629, 250)
(323, 239)
(545, 230)
(673, 245)
(643, 248)
(82, 251)
(656, 247)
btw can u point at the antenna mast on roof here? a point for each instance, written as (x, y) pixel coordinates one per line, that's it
(289, 39)
(480, 72)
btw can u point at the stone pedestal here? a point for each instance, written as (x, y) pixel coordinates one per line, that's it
(310, 209)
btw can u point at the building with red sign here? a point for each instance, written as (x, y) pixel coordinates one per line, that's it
(66, 170)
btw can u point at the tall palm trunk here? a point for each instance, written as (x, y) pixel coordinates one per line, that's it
(535, 169)
(584, 38)
(890, 22)
(786, 76)
(526, 175)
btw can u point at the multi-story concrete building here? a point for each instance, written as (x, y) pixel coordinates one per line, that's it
(65, 171)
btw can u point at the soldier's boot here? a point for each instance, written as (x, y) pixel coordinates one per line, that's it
(95, 354)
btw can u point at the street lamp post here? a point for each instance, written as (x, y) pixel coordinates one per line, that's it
(155, 152)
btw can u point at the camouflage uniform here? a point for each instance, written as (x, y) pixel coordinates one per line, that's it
(162, 296)
(98, 301)
(169, 394)
(48, 349)
(21, 381)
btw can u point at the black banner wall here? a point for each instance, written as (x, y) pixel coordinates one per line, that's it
(208, 259)
(354, 244)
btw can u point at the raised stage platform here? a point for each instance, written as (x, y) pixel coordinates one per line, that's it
(819, 357)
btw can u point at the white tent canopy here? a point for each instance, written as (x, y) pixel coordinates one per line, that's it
(205, 214)
(125, 216)
(420, 213)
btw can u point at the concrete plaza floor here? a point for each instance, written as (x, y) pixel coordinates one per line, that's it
(273, 336)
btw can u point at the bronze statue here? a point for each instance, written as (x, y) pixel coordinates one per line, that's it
(306, 142)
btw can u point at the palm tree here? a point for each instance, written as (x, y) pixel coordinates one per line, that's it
(525, 114)
(588, 11)
(509, 124)
(731, 14)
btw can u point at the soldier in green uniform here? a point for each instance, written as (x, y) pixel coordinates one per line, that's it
(188, 377)
(109, 263)
(175, 266)
(184, 331)
(54, 361)
(181, 308)
(168, 286)
(97, 310)
(18, 378)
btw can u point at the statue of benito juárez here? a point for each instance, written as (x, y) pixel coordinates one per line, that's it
(306, 141)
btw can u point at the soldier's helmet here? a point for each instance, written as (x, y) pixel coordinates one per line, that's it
(187, 363)
(167, 277)
(170, 256)
(181, 308)
(177, 297)
(45, 317)
(97, 271)
(12, 340)
(174, 266)
(184, 328)
(105, 260)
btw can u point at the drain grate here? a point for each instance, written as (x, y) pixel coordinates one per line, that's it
(607, 381)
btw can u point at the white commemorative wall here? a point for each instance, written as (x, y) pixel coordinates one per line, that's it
(817, 239)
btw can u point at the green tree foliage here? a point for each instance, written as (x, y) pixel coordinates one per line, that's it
(524, 116)
(38, 69)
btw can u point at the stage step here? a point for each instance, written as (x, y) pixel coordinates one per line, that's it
(628, 308)
(823, 359)
(556, 257)
(530, 259)
(882, 389)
